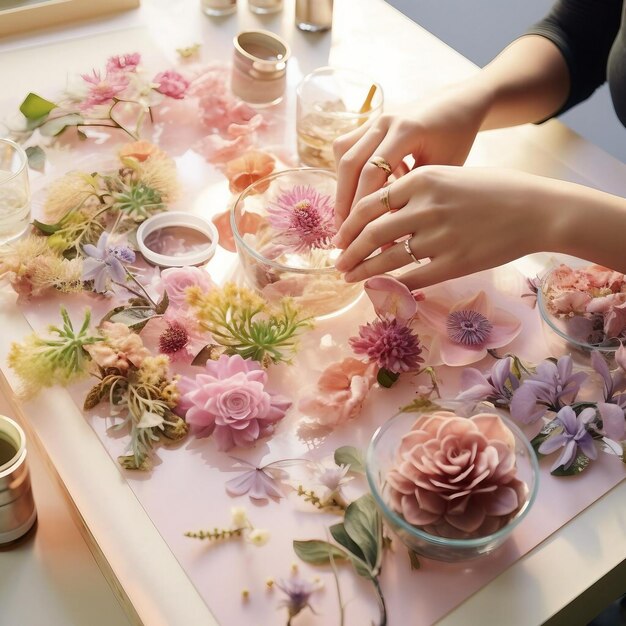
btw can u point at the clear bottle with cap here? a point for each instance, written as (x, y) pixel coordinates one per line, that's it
(217, 8)
(264, 7)
(314, 16)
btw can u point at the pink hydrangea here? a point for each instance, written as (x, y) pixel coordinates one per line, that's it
(455, 476)
(171, 84)
(340, 392)
(230, 401)
(123, 62)
(103, 90)
(176, 281)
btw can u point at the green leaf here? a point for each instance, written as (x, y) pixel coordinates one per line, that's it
(161, 307)
(55, 127)
(47, 229)
(36, 158)
(543, 434)
(415, 562)
(580, 464)
(338, 531)
(318, 552)
(35, 106)
(134, 317)
(352, 457)
(386, 378)
(623, 451)
(364, 526)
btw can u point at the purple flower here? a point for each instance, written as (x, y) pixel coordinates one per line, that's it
(497, 387)
(106, 262)
(550, 388)
(612, 409)
(573, 437)
(388, 343)
(299, 592)
(304, 219)
(260, 483)
(468, 327)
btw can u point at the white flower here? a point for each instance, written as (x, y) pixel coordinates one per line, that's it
(259, 536)
(239, 516)
(333, 478)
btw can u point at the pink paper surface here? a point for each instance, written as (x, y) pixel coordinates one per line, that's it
(185, 491)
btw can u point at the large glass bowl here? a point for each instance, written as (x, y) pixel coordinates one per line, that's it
(281, 240)
(382, 456)
(567, 332)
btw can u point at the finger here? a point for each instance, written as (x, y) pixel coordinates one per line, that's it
(438, 270)
(365, 211)
(349, 169)
(343, 143)
(390, 259)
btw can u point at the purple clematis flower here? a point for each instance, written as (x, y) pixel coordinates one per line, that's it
(497, 387)
(551, 387)
(106, 262)
(612, 409)
(573, 437)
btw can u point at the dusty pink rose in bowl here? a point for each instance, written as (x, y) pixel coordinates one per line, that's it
(454, 480)
(176, 281)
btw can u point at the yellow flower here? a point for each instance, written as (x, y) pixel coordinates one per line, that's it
(71, 191)
(154, 369)
(170, 394)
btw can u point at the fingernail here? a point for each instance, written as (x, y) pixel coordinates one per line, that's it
(339, 263)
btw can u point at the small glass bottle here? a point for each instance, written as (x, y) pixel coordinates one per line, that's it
(264, 7)
(314, 16)
(217, 8)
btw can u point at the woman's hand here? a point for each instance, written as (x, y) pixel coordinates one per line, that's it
(440, 131)
(464, 219)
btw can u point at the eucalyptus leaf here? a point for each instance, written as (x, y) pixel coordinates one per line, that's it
(352, 457)
(543, 434)
(623, 451)
(55, 127)
(47, 229)
(364, 526)
(418, 405)
(162, 305)
(35, 106)
(134, 317)
(415, 562)
(318, 552)
(338, 531)
(580, 464)
(36, 158)
(386, 378)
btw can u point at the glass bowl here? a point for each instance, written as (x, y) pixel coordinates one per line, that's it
(428, 539)
(581, 332)
(282, 225)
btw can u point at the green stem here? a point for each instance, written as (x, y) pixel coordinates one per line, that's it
(132, 277)
(381, 601)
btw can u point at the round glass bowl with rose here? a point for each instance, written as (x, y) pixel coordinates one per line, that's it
(452, 480)
(283, 225)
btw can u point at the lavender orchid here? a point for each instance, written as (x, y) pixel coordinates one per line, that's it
(497, 387)
(612, 409)
(573, 437)
(260, 483)
(106, 262)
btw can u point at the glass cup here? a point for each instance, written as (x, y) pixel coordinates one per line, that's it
(314, 16)
(264, 7)
(217, 8)
(17, 507)
(14, 191)
(331, 102)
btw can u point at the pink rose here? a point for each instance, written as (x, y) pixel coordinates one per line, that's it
(455, 476)
(340, 393)
(171, 84)
(230, 400)
(613, 308)
(176, 281)
(120, 349)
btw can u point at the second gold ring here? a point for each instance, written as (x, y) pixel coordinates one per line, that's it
(384, 198)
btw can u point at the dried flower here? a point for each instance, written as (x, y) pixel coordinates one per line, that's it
(103, 90)
(70, 192)
(230, 400)
(303, 219)
(332, 478)
(248, 223)
(340, 392)
(249, 169)
(298, 592)
(259, 537)
(106, 262)
(456, 477)
(260, 483)
(171, 84)
(119, 349)
(239, 516)
(390, 344)
(123, 62)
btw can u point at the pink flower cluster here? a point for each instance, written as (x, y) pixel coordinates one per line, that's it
(455, 476)
(229, 400)
(595, 293)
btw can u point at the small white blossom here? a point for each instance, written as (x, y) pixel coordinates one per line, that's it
(332, 478)
(259, 536)
(239, 516)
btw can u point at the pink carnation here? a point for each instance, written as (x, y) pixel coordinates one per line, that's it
(340, 393)
(103, 90)
(455, 476)
(171, 84)
(123, 62)
(230, 400)
(176, 281)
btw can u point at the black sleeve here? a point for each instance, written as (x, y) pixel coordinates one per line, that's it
(584, 31)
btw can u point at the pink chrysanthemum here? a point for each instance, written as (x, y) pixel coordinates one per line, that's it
(103, 90)
(123, 62)
(171, 84)
(174, 338)
(391, 345)
(303, 217)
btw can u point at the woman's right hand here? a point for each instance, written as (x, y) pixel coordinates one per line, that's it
(440, 132)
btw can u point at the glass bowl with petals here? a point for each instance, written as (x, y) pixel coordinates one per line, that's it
(283, 225)
(568, 326)
(452, 480)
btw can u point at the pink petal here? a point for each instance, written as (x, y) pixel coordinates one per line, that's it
(492, 427)
(434, 312)
(414, 514)
(391, 298)
(430, 502)
(240, 485)
(456, 354)
(470, 520)
(479, 302)
(502, 502)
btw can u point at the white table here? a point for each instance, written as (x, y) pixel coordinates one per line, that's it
(569, 577)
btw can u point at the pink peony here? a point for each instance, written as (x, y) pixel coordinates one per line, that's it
(123, 62)
(176, 281)
(230, 400)
(176, 334)
(171, 84)
(613, 308)
(465, 329)
(120, 349)
(340, 392)
(103, 90)
(455, 476)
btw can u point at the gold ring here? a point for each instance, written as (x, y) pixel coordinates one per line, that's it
(407, 247)
(384, 198)
(381, 163)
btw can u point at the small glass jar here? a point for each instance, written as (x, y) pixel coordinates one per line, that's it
(259, 73)
(218, 8)
(264, 7)
(314, 16)
(14, 191)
